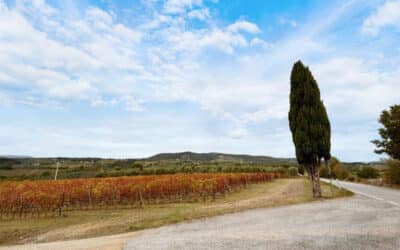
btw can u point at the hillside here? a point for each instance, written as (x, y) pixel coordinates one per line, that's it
(191, 156)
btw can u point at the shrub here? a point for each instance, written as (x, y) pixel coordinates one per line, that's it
(101, 174)
(46, 174)
(340, 173)
(352, 178)
(292, 171)
(393, 172)
(133, 172)
(280, 170)
(137, 165)
(368, 172)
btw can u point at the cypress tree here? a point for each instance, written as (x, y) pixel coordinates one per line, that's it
(309, 123)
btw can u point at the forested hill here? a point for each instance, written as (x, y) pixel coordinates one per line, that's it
(191, 156)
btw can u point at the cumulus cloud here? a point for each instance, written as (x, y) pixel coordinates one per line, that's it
(386, 15)
(91, 55)
(36, 55)
(244, 26)
(179, 53)
(367, 89)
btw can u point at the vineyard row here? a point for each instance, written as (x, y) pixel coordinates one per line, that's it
(50, 198)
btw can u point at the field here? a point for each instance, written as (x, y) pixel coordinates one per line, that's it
(49, 198)
(77, 224)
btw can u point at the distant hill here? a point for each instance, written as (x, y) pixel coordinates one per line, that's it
(15, 156)
(191, 156)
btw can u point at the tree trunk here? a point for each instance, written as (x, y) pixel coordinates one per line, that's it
(313, 174)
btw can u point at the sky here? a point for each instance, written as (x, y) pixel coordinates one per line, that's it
(129, 79)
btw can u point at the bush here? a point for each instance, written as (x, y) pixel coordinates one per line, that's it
(101, 174)
(280, 170)
(292, 171)
(46, 174)
(393, 172)
(368, 173)
(340, 173)
(138, 165)
(352, 178)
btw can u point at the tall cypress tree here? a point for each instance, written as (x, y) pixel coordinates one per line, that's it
(309, 123)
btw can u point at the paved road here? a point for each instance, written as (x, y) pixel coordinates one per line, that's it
(367, 221)
(382, 194)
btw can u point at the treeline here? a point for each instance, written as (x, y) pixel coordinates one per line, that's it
(44, 169)
(388, 174)
(138, 169)
(341, 171)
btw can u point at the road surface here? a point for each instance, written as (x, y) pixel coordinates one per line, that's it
(391, 196)
(369, 220)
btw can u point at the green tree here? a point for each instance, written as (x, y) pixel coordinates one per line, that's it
(368, 172)
(390, 133)
(393, 172)
(309, 123)
(334, 170)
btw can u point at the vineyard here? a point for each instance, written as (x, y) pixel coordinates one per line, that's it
(26, 199)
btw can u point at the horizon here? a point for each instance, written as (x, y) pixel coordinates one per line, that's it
(160, 153)
(127, 80)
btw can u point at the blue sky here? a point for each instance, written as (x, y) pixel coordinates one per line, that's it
(134, 78)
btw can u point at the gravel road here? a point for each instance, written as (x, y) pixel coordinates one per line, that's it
(369, 220)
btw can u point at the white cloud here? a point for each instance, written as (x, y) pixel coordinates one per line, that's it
(201, 14)
(63, 64)
(179, 6)
(99, 18)
(227, 71)
(222, 40)
(363, 90)
(259, 42)
(225, 39)
(127, 34)
(96, 55)
(242, 25)
(3, 6)
(386, 15)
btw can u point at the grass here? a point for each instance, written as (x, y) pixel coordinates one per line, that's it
(84, 224)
